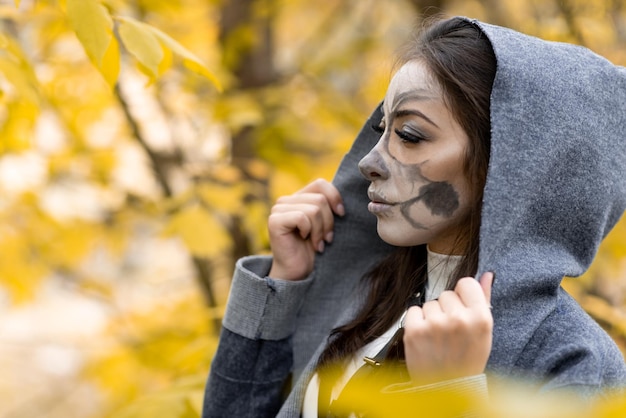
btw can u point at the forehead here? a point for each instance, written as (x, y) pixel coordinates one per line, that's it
(413, 80)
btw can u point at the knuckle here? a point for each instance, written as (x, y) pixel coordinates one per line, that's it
(460, 321)
(440, 323)
(447, 294)
(319, 199)
(301, 217)
(272, 219)
(485, 327)
(484, 323)
(430, 304)
(315, 214)
(413, 328)
(276, 208)
(316, 211)
(283, 199)
(412, 332)
(465, 282)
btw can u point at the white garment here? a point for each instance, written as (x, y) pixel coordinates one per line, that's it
(440, 267)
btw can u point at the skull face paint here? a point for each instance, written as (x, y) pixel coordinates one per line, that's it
(418, 191)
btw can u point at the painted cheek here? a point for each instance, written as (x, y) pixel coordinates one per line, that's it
(440, 198)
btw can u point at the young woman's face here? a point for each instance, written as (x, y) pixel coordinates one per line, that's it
(418, 191)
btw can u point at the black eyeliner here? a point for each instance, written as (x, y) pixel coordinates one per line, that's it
(412, 138)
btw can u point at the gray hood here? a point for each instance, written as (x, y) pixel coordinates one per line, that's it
(556, 183)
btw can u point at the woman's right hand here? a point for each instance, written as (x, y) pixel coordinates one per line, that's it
(301, 224)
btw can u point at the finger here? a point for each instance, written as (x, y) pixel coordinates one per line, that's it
(321, 219)
(432, 309)
(449, 301)
(414, 315)
(329, 191)
(288, 223)
(486, 283)
(471, 293)
(317, 199)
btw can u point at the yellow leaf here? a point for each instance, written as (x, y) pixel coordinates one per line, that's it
(17, 3)
(255, 224)
(103, 163)
(22, 279)
(17, 130)
(225, 173)
(166, 62)
(199, 68)
(225, 198)
(93, 26)
(69, 245)
(258, 169)
(239, 111)
(142, 44)
(19, 74)
(189, 59)
(96, 287)
(200, 232)
(111, 63)
(20, 273)
(611, 407)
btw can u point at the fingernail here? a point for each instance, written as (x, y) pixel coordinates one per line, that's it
(341, 210)
(329, 237)
(320, 247)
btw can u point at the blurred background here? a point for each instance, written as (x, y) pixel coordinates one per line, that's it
(141, 145)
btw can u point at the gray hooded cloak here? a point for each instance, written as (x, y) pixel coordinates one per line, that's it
(556, 185)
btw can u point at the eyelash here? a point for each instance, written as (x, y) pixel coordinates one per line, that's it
(407, 137)
(404, 136)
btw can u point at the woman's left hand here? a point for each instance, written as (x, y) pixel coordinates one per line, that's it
(450, 337)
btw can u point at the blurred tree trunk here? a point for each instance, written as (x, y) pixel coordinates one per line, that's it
(246, 36)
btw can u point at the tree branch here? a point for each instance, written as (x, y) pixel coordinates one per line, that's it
(158, 170)
(201, 266)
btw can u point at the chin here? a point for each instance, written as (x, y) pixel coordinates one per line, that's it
(400, 236)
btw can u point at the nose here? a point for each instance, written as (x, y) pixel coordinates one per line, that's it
(373, 167)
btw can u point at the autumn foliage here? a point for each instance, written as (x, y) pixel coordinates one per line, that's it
(142, 143)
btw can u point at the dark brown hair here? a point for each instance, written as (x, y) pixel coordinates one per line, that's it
(462, 61)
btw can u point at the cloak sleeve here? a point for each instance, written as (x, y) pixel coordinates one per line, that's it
(254, 358)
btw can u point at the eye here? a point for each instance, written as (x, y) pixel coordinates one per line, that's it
(409, 137)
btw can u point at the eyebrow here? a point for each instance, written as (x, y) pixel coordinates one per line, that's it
(407, 112)
(409, 96)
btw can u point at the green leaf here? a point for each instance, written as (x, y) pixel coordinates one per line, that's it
(141, 42)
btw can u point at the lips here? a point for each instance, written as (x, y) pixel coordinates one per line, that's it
(378, 203)
(377, 198)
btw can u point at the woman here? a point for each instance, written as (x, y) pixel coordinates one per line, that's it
(492, 152)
